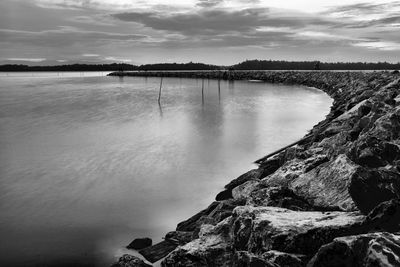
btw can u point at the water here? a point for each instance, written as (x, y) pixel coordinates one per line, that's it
(88, 163)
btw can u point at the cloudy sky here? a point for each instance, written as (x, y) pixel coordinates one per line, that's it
(210, 31)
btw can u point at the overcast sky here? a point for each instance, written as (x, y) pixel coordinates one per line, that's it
(209, 31)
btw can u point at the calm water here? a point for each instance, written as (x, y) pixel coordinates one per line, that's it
(89, 163)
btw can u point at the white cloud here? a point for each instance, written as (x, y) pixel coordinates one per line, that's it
(381, 45)
(90, 55)
(116, 59)
(26, 59)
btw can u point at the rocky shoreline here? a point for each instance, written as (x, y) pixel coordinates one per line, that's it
(331, 199)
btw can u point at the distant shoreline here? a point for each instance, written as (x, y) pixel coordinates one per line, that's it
(248, 65)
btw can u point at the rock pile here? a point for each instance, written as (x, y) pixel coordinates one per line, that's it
(330, 200)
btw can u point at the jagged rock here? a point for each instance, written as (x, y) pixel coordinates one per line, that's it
(179, 237)
(384, 217)
(327, 185)
(259, 229)
(277, 196)
(369, 188)
(324, 187)
(130, 261)
(140, 243)
(254, 174)
(243, 190)
(212, 248)
(246, 259)
(283, 259)
(369, 250)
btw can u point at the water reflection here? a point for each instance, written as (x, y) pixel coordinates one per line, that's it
(87, 164)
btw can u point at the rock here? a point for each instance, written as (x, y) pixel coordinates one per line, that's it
(246, 259)
(259, 229)
(327, 185)
(140, 243)
(243, 190)
(223, 195)
(158, 251)
(277, 196)
(191, 224)
(284, 259)
(254, 174)
(384, 217)
(180, 237)
(369, 250)
(130, 261)
(368, 188)
(212, 248)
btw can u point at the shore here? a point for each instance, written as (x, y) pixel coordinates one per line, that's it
(331, 199)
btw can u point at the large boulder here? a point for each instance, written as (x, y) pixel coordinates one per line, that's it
(324, 187)
(259, 229)
(369, 188)
(369, 250)
(327, 185)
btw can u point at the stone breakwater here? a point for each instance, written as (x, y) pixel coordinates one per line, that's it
(330, 200)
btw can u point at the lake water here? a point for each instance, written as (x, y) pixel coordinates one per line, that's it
(88, 162)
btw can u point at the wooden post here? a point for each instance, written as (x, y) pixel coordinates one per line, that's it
(219, 90)
(202, 91)
(159, 92)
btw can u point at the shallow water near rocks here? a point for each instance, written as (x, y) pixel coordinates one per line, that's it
(88, 162)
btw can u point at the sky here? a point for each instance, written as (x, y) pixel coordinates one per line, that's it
(222, 32)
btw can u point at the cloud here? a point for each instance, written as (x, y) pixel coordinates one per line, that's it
(26, 59)
(379, 45)
(64, 36)
(209, 3)
(219, 21)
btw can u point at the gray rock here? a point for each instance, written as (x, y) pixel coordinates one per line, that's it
(283, 259)
(212, 248)
(247, 259)
(370, 250)
(259, 229)
(130, 261)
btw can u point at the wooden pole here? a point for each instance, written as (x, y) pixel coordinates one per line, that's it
(159, 92)
(202, 91)
(219, 90)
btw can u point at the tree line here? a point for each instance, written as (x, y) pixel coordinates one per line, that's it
(245, 65)
(313, 65)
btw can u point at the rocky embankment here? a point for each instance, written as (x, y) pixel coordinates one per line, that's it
(330, 200)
